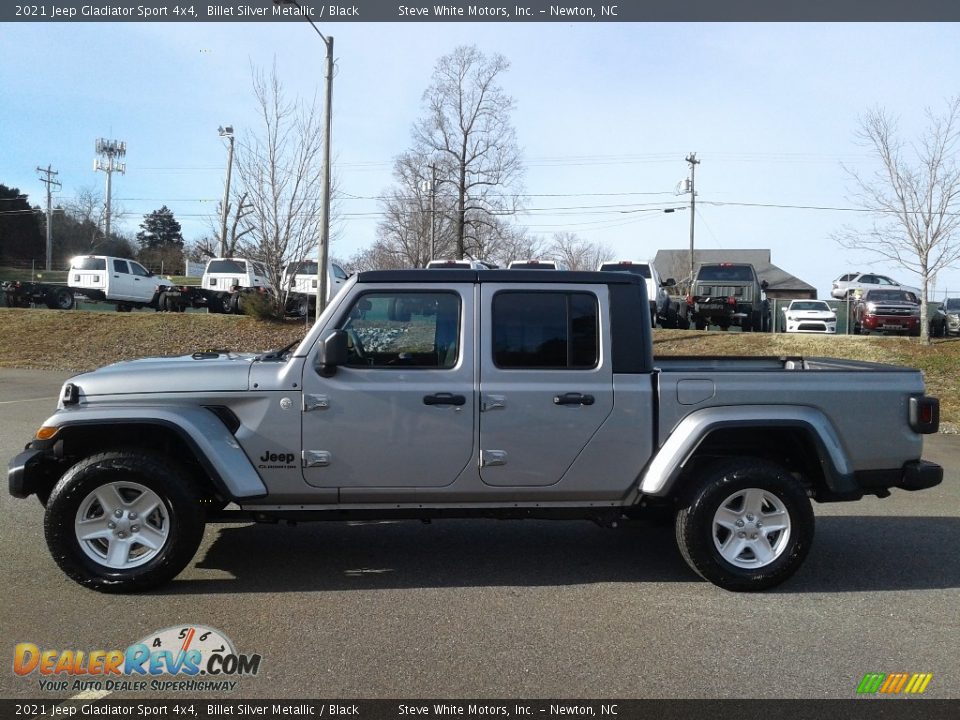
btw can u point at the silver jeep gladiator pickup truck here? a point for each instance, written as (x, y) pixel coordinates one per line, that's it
(463, 394)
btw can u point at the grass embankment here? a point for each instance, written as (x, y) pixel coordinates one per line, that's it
(82, 341)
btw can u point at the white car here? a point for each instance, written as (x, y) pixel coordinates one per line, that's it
(451, 264)
(536, 265)
(225, 274)
(121, 281)
(810, 316)
(846, 285)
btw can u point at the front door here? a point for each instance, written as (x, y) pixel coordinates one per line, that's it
(400, 413)
(546, 384)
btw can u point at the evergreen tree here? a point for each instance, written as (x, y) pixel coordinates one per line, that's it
(161, 243)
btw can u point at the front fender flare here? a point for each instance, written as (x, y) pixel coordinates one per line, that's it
(215, 447)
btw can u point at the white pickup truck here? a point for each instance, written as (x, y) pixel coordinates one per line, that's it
(422, 394)
(120, 281)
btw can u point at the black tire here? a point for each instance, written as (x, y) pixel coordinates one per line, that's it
(671, 318)
(700, 324)
(698, 538)
(184, 518)
(215, 305)
(163, 303)
(857, 330)
(235, 304)
(60, 299)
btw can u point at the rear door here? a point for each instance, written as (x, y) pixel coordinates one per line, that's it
(546, 384)
(120, 281)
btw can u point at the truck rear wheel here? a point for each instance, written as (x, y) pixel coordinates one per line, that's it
(748, 526)
(123, 521)
(60, 299)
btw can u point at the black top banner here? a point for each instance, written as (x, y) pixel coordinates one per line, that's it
(216, 709)
(483, 11)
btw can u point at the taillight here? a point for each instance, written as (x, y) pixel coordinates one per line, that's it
(924, 414)
(689, 299)
(731, 301)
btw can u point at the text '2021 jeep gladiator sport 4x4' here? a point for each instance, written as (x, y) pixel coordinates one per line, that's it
(498, 393)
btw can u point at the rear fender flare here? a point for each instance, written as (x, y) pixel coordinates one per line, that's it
(667, 465)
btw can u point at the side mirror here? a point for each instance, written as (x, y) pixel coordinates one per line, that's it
(669, 282)
(764, 284)
(332, 352)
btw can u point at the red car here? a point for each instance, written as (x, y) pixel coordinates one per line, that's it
(887, 311)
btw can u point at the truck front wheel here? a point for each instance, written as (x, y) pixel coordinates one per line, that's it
(123, 521)
(748, 526)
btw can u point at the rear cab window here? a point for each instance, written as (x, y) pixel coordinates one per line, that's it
(89, 263)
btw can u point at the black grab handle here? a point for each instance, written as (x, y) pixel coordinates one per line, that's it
(444, 399)
(573, 398)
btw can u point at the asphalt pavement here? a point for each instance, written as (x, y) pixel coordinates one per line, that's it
(493, 609)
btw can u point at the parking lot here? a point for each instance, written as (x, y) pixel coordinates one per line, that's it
(515, 609)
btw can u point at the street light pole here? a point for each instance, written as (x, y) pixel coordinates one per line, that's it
(692, 159)
(226, 132)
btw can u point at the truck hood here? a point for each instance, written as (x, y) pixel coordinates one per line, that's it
(207, 372)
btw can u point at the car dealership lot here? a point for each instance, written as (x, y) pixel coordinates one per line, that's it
(509, 609)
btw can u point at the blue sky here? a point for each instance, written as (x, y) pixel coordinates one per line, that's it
(770, 109)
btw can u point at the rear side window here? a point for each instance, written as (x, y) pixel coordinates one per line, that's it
(545, 331)
(227, 266)
(120, 266)
(89, 263)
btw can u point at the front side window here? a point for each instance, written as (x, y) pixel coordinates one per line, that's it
(338, 272)
(395, 330)
(545, 330)
(138, 269)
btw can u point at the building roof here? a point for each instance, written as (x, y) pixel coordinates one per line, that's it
(676, 264)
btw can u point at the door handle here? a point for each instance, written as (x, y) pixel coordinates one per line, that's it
(444, 399)
(573, 398)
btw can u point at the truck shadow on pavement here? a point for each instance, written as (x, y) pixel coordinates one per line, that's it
(850, 554)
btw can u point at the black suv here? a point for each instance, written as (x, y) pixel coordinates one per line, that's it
(726, 294)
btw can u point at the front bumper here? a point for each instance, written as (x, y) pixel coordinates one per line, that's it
(35, 470)
(892, 323)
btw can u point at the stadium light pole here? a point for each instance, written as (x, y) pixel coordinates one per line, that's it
(324, 250)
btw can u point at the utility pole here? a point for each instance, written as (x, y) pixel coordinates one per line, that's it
(109, 151)
(49, 182)
(325, 217)
(226, 132)
(433, 211)
(692, 159)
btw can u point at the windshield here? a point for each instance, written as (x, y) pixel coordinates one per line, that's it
(726, 273)
(809, 305)
(952, 304)
(636, 268)
(226, 266)
(891, 296)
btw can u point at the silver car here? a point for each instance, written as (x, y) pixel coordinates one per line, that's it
(847, 285)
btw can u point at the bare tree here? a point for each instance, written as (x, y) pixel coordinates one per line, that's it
(237, 211)
(467, 135)
(915, 197)
(279, 199)
(578, 253)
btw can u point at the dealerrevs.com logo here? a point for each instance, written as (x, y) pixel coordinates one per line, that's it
(180, 658)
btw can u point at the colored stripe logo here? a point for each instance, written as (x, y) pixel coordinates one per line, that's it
(894, 683)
